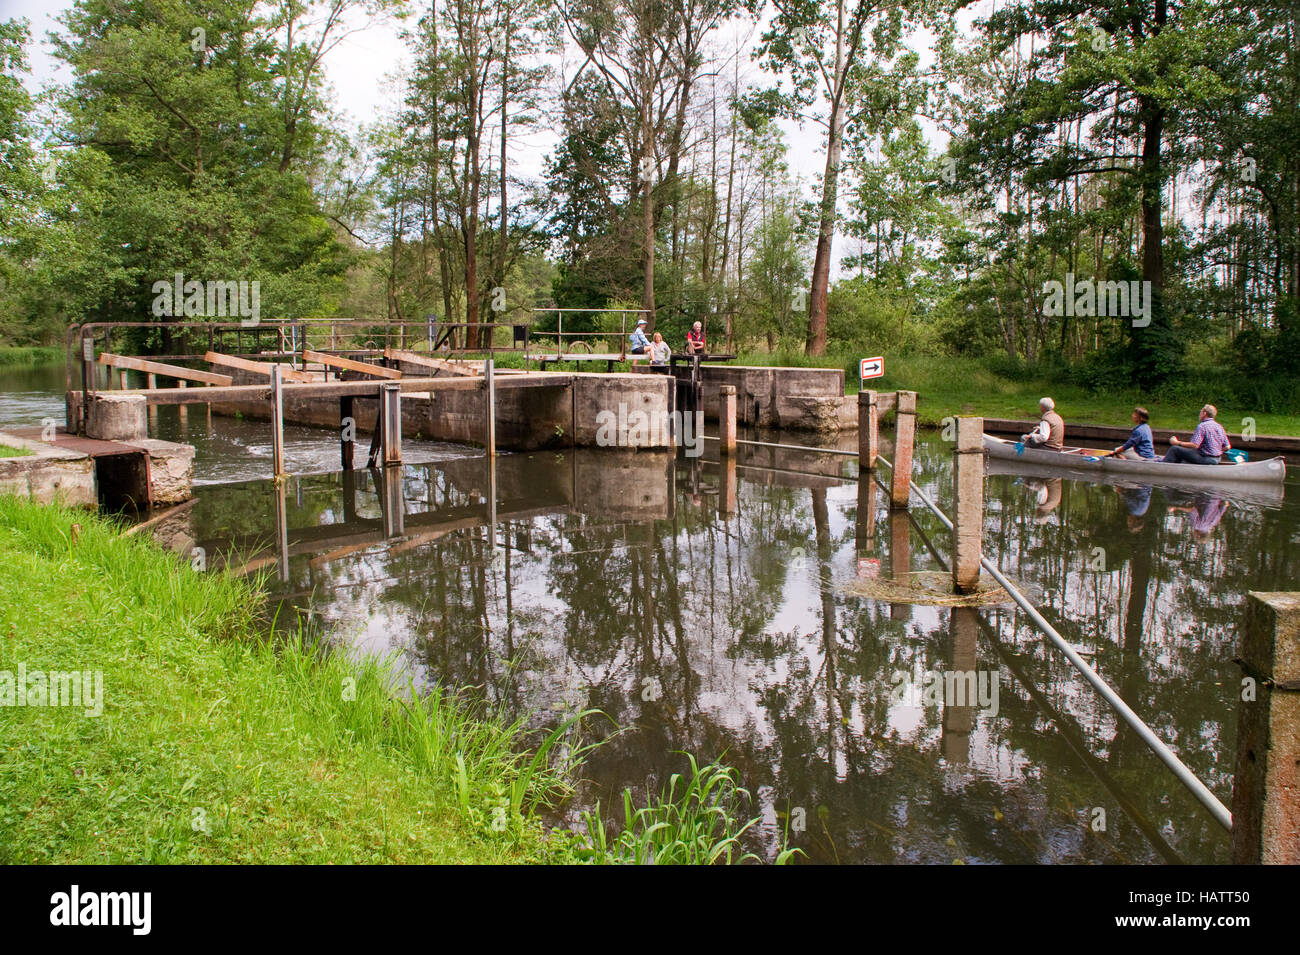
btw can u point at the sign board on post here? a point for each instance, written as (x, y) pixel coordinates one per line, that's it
(871, 368)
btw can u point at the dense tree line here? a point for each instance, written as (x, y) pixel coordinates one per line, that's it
(968, 157)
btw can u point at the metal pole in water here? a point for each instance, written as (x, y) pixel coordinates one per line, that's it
(490, 406)
(277, 421)
(390, 397)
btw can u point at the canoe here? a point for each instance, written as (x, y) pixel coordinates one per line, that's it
(1239, 492)
(1270, 471)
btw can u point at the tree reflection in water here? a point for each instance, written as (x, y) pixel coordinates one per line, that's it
(703, 607)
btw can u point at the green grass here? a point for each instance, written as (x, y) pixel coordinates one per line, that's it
(217, 746)
(7, 452)
(693, 821)
(28, 356)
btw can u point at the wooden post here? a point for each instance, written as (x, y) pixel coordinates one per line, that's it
(968, 504)
(864, 526)
(904, 440)
(958, 719)
(390, 401)
(347, 426)
(490, 407)
(900, 558)
(182, 411)
(151, 380)
(1266, 788)
(277, 423)
(727, 420)
(727, 487)
(868, 431)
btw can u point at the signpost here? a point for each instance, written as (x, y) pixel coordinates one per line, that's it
(871, 368)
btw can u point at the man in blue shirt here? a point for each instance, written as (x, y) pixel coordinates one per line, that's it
(640, 344)
(1208, 443)
(1138, 447)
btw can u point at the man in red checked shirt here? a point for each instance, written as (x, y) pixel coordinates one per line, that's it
(695, 340)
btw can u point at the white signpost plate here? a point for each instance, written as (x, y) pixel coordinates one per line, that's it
(871, 368)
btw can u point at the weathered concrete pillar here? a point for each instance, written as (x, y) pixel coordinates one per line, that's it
(115, 417)
(73, 401)
(390, 409)
(868, 431)
(864, 526)
(1266, 789)
(900, 558)
(904, 440)
(959, 713)
(727, 481)
(727, 420)
(968, 504)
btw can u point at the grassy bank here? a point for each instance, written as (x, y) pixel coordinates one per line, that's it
(29, 356)
(196, 740)
(214, 746)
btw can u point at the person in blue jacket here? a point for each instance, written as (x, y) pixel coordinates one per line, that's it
(640, 345)
(1139, 446)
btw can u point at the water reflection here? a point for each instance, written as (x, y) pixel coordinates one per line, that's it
(704, 606)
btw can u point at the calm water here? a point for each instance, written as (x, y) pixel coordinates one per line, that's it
(729, 613)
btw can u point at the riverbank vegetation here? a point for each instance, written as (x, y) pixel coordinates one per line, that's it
(29, 356)
(216, 744)
(1104, 204)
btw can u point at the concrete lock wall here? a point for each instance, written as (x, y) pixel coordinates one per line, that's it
(48, 474)
(529, 418)
(802, 399)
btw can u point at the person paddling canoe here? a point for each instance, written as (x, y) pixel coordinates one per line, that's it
(1050, 433)
(1139, 446)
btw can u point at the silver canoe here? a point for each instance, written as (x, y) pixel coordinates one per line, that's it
(1270, 471)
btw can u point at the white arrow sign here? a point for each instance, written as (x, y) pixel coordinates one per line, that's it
(871, 368)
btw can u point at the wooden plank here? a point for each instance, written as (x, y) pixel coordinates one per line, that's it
(258, 367)
(158, 368)
(337, 361)
(426, 361)
(340, 389)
